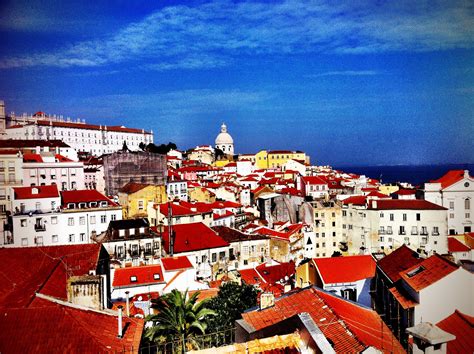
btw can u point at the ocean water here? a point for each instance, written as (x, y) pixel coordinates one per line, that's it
(414, 174)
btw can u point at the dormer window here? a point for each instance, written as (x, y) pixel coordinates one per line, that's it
(82, 205)
(156, 276)
(71, 205)
(93, 204)
(104, 204)
(133, 279)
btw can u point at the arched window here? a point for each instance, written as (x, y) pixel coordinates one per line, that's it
(467, 203)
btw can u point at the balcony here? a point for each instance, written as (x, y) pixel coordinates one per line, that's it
(381, 232)
(389, 232)
(40, 227)
(435, 233)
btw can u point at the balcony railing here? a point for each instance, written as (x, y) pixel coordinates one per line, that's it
(40, 227)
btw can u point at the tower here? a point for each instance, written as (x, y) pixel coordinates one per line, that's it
(224, 141)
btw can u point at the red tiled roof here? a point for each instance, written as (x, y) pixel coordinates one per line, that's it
(397, 261)
(435, 268)
(177, 209)
(84, 196)
(401, 204)
(32, 158)
(313, 180)
(327, 311)
(274, 273)
(222, 216)
(402, 297)
(42, 192)
(61, 158)
(62, 329)
(377, 194)
(250, 276)
(44, 270)
(290, 191)
(176, 263)
(150, 274)
(345, 269)
(462, 326)
(364, 322)
(356, 200)
(133, 187)
(233, 235)
(454, 245)
(405, 192)
(192, 237)
(205, 293)
(449, 178)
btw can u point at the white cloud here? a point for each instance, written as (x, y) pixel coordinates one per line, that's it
(213, 34)
(348, 73)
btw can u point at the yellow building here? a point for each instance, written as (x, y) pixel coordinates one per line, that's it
(388, 189)
(134, 198)
(306, 274)
(275, 159)
(201, 194)
(222, 163)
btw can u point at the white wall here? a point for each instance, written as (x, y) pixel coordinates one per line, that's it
(441, 299)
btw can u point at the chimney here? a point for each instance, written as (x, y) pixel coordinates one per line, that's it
(120, 328)
(466, 173)
(172, 239)
(128, 302)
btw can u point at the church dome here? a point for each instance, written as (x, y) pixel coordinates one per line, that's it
(224, 137)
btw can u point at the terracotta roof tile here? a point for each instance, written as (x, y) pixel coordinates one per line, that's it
(36, 192)
(63, 329)
(85, 196)
(345, 269)
(428, 272)
(462, 326)
(449, 178)
(176, 263)
(137, 276)
(192, 237)
(397, 261)
(454, 245)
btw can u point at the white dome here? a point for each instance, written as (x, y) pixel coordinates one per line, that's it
(224, 137)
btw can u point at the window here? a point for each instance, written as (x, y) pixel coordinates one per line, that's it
(467, 204)
(467, 215)
(344, 213)
(381, 239)
(451, 205)
(435, 231)
(23, 222)
(333, 224)
(93, 219)
(404, 217)
(156, 276)
(54, 238)
(414, 230)
(424, 230)
(381, 215)
(38, 205)
(391, 217)
(451, 215)
(382, 230)
(222, 255)
(402, 230)
(133, 279)
(63, 172)
(82, 237)
(71, 238)
(24, 242)
(82, 220)
(415, 271)
(141, 204)
(70, 221)
(214, 257)
(113, 217)
(389, 230)
(103, 219)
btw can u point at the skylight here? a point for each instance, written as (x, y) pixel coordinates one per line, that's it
(415, 271)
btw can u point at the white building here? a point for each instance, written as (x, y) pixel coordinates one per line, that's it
(43, 217)
(314, 186)
(386, 224)
(177, 189)
(47, 168)
(96, 139)
(455, 191)
(224, 141)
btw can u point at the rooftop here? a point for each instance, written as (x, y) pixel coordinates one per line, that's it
(397, 261)
(462, 326)
(138, 276)
(345, 269)
(36, 192)
(176, 263)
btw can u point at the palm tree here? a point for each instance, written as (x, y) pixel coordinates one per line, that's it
(178, 318)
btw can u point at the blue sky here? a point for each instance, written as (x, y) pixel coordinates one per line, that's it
(372, 83)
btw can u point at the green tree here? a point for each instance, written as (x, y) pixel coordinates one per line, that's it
(178, 318)
(229, 304)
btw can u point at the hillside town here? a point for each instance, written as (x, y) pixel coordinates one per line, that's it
(103, 231)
